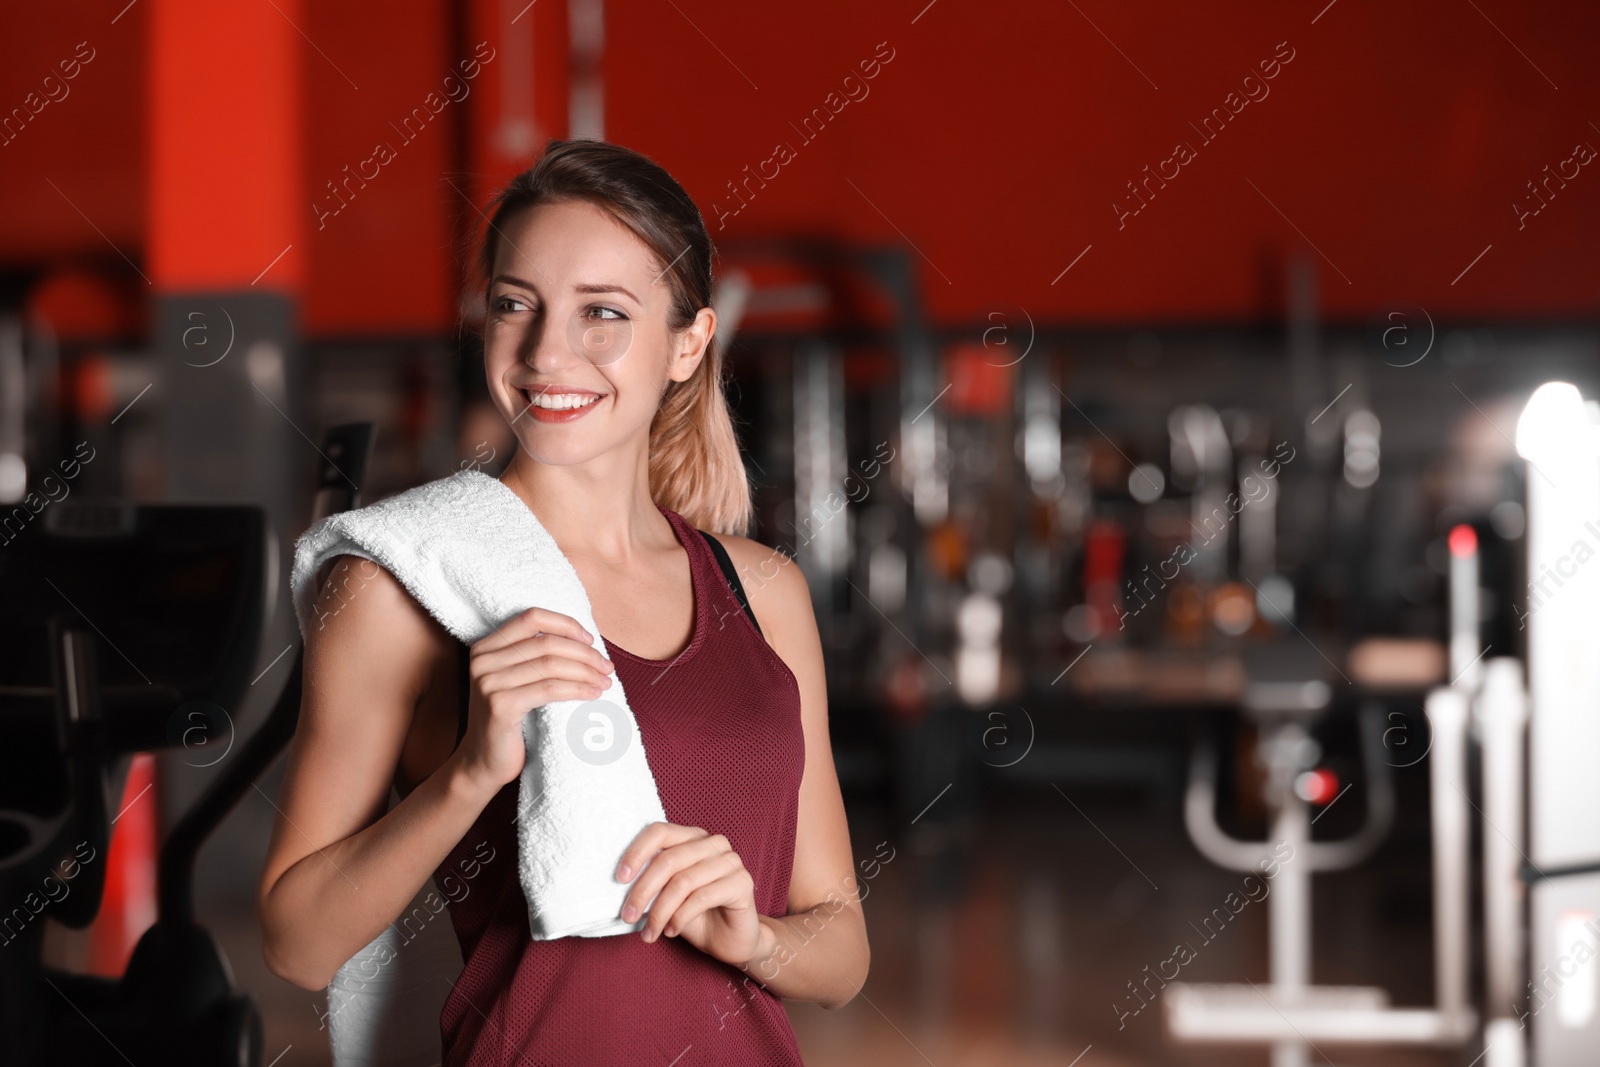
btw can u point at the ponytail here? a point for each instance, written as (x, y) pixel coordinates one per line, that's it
(695, 466)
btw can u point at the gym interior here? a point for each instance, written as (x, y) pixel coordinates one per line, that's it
(1186, 419)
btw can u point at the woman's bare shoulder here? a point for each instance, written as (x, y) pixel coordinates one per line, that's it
(773, 584)
(364, 622)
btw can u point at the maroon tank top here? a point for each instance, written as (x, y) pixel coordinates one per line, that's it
(720, 723)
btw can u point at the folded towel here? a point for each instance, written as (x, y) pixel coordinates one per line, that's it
(474, 555)
(384, 1004)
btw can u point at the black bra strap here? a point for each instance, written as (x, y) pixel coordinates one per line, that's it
(732, 574)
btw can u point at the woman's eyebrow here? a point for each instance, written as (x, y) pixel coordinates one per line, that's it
(606, 287)
(582, 287)
(511, 279)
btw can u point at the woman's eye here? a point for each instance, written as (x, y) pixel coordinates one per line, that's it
(509, 303)
(605, 313)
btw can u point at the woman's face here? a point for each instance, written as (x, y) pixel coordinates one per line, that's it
(577, 349)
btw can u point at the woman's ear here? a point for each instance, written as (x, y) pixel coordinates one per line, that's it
(689, 345)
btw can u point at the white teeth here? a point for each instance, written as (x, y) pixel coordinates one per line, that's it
(561, 401)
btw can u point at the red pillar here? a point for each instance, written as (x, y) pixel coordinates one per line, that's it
(226, 195)
(226, 253)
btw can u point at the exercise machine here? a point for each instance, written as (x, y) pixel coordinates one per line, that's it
(1538, 740)
(1290, 1014)
(123, 628)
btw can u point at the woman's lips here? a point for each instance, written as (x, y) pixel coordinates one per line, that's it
(560, 414)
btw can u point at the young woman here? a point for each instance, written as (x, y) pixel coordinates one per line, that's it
(599, 352)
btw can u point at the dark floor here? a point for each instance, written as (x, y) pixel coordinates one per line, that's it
(1015, 944)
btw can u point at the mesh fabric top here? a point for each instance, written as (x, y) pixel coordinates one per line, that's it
(720, 724)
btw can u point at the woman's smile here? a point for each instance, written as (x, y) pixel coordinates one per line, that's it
(559, 404)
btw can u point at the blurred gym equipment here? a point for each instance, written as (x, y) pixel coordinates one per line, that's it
(1290, 1013)
(1559, 436)
(198, 582)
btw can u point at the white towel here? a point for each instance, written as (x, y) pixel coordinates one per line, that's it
(385, 1002)
(474, 555)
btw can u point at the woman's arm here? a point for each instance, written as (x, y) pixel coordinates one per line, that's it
(819, 951)
(339, 869)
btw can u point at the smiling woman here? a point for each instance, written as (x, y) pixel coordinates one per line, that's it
(694, 464)
(600, 354)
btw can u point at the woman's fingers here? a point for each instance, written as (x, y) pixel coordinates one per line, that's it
(556, 644)
(711, 873)
(536, 658)
(649, 841)
(735, 889)
(531, 622)
(513, 704)
(487, 663)
(663, 850)
(544, 668)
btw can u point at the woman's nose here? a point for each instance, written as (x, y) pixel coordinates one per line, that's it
(545, 347)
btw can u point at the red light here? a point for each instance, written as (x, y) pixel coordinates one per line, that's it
(1463, 541)
(1317, 787)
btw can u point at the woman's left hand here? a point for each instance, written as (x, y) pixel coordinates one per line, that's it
(702, 891)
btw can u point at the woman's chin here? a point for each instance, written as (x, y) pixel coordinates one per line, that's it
(559, 450)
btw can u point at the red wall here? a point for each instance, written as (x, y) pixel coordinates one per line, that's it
(224, 150)
(999, 137)
(997, 140)
(382, 264)
(90, 143)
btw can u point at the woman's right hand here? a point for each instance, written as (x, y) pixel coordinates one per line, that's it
(538, 657)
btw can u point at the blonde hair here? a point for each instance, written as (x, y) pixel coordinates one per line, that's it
(695, 466)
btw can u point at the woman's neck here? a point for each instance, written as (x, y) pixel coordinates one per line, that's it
(598, 509)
